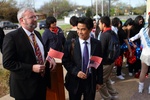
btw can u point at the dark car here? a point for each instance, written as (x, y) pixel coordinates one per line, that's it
(8, 24)
(42, 24)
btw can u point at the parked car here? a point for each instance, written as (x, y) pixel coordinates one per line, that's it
(8, 24)
(42, 24)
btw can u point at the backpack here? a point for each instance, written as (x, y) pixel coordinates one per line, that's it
(113, 47)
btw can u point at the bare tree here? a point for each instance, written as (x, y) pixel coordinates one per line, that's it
(56, 8)
(6, 13)
(2, 1)
(26, 3)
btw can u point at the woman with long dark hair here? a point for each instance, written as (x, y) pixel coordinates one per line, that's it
(138, 25)
(122, 34)
(144, 36)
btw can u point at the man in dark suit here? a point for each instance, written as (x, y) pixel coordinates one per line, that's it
(28, 74)
(2, 35)
(77, 80)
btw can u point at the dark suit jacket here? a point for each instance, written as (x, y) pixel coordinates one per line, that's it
(74, 64)
(1, 37)
(19, 57)
(72, 34)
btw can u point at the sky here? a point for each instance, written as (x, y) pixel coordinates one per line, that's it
(134, 3)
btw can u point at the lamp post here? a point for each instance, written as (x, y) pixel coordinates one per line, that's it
(109, 8)
(96, 12)
(147, 9)
(92, 8)
(102, 10)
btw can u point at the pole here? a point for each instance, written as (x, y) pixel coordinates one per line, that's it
(92, 8)
(109, 8)
(147, 10)
(96, 11)
(102, 11)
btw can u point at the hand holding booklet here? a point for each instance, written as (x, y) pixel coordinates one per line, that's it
(51, 55)
(55, 54)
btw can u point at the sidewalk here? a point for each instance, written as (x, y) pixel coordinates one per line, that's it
(127, 89)
(6, 97)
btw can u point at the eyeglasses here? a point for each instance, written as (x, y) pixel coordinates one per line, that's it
(33, 17)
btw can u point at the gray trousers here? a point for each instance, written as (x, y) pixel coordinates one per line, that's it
(107, 91)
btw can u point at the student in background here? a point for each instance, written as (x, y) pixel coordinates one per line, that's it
(97, 31)
(126, 29)
(107, 91)
(92, 34)
(139, 23)
(73, 31)
(123, 39)
(53, 36)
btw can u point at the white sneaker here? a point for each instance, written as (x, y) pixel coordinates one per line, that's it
(130, 74)
(123, 74)
(115, 67)
(126, 65)
(141, 87)
(120, 77)
(112, 82)
(114, 97)
(149, 90)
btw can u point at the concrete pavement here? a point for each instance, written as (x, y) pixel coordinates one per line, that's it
(7, 97)
(127, 89)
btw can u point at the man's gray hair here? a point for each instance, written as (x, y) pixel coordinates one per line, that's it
(21, 12)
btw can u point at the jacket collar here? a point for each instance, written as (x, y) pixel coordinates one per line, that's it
(107, 29)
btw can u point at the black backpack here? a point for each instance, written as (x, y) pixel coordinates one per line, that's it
(113, 47)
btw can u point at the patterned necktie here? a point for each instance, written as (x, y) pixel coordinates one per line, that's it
(85, 57)
(37, 50)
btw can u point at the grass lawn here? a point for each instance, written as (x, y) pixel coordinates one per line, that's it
(4, 77)
(65, 29)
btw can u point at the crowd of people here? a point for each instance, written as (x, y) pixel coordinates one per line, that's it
(25, 52)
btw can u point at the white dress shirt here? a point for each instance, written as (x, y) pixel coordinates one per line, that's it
(37, 40)
(82, 47)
